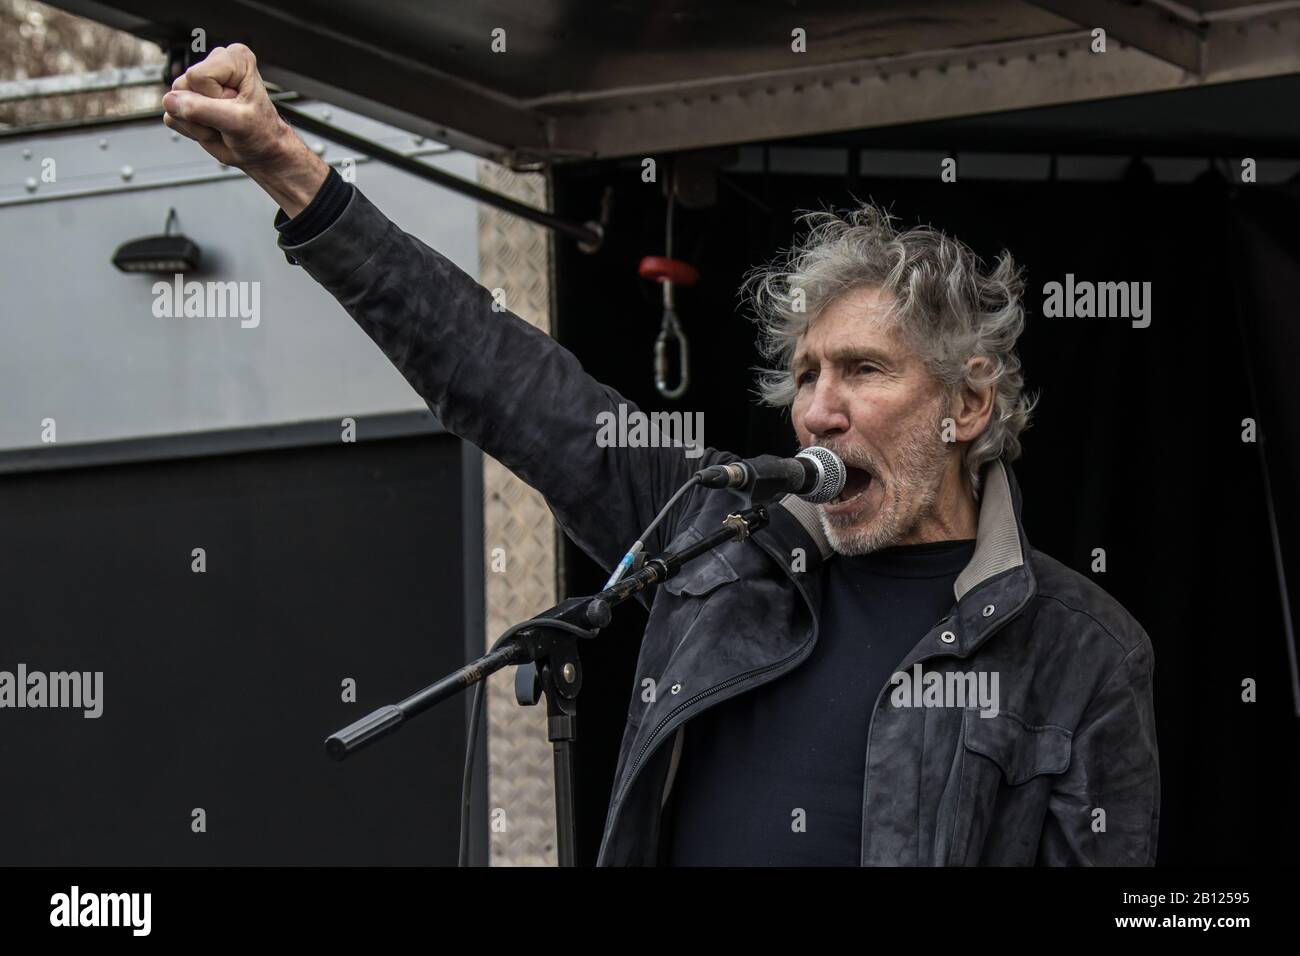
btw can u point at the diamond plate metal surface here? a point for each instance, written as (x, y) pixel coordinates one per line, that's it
(519, 551)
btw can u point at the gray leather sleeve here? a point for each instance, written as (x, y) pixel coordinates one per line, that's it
(495, 380)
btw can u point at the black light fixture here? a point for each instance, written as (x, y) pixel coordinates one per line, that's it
(165, 255)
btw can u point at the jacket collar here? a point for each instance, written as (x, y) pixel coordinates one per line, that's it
(1000, 543)
(805, 515)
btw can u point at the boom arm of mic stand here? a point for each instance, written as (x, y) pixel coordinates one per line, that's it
(387, 719)
(530, 643)
(532, 640)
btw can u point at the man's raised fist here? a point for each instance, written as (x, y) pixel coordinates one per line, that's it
(222, 103)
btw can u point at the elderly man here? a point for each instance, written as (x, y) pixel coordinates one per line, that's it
(895, 677)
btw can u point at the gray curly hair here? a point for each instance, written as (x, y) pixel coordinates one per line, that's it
(947, 306)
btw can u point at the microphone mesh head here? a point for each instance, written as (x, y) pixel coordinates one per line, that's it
(832, 471)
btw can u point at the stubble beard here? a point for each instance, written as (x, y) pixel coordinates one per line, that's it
(909, 495)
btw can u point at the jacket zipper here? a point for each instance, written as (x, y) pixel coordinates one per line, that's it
(621, 794)
(729, 682)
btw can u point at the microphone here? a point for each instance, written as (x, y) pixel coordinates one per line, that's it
(816, 474)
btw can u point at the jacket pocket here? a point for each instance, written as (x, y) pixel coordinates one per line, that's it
(1003, 775)
(701, 574)
(1021, 750)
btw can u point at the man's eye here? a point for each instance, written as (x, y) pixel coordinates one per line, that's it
(866, 367)
(805, 378)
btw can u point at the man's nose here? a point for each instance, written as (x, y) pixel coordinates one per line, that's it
(827, 413)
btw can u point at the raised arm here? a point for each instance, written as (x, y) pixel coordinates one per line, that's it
(490, 377)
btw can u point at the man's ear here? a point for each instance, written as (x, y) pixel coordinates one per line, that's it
(972, 405)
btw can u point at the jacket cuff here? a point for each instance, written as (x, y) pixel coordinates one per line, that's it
(337, 251)
(325, 207)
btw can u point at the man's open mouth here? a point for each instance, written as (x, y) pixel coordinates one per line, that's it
(856, 482)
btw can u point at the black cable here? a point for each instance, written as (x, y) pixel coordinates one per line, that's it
(629, 559)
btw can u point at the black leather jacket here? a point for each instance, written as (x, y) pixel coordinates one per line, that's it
(1066, 773)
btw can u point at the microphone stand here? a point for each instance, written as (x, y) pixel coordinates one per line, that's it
(545, 651)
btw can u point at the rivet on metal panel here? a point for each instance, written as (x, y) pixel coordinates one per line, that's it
(27, 154)
(103, 143)
(30, 184)
(127, 172)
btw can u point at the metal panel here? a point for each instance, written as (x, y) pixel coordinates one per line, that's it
(81, 343)
(1146, 26)
(324, 563)
(1217, 42)
(63, 85)
(520, 578)
(1240, 49)
(860, 95)
(582, 78)
(224, 442)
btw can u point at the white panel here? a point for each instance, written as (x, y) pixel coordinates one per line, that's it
(78, 339)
